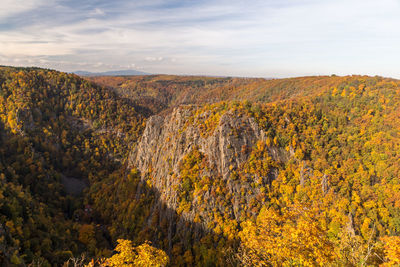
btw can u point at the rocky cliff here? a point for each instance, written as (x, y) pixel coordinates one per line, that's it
(199, 162)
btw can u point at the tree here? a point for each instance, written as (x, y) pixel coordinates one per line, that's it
(291, 236)
(143, 255)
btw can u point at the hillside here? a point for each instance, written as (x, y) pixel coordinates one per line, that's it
(214, 171)
(161, 92)
(57, 130)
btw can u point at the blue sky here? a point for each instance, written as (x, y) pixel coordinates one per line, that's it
(280, 38)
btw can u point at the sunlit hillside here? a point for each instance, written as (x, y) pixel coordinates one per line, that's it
(198, 171)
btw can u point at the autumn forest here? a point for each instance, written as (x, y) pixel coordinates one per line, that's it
(163, 170)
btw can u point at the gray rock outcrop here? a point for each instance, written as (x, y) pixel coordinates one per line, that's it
(166, 140)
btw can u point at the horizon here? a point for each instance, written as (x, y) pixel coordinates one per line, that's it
(267, 39)
(101, 74)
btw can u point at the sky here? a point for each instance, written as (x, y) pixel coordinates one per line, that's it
(270, 38)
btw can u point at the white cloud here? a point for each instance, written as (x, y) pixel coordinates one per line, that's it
(97, 12)
(262, 38)
(12, 7)
(152, 59)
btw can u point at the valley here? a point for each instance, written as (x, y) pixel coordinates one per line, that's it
(208, 171)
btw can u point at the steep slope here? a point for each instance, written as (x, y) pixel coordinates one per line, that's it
(300, 171)
(57, 130)
(224, 148)
(222, 165)
(197, 171)
(160, 92)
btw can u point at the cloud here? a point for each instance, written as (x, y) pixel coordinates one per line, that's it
(11, 8)
(97, 12)
(257, 38)
(152, 59)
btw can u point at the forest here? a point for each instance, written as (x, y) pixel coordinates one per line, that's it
(163, 170)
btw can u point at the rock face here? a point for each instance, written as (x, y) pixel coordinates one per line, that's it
(227, 146)
(166, 140)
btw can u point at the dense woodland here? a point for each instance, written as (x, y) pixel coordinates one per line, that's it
(68, 194)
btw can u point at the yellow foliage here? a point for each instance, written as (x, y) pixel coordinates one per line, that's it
(292, 236)
(392, 250)
(143, 255)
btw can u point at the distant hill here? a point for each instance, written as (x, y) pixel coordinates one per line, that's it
(111, 73)
(162, 92)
